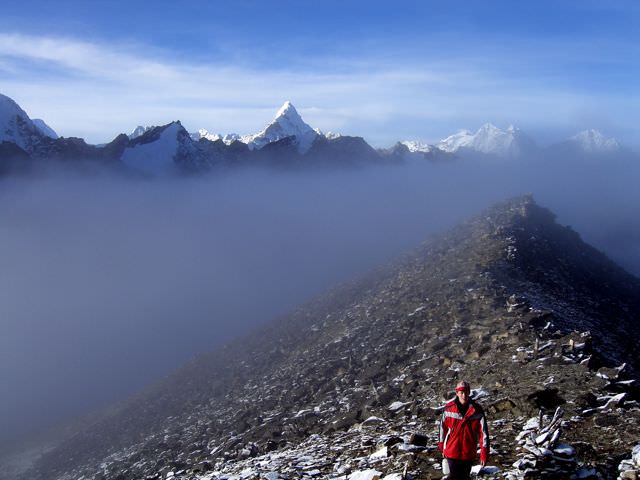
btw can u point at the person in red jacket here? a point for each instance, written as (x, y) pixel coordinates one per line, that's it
(463, 426)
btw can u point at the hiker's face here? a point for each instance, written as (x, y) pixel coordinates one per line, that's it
(463, 396)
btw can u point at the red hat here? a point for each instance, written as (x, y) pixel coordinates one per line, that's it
(463, 387)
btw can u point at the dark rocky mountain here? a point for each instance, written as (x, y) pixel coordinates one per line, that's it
(343, 151)
(222, 155)
(351, 384)
(68, 152)
(77, 150)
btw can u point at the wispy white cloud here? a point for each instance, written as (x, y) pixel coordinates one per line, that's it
(98, 90)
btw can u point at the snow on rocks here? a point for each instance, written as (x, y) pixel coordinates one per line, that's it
(478, 393)
(517, 303)
(393, 476)
(139, 131)
(365, 475)
(227, 139)
(542, 455)
(630, 469)
(395, 406)
(360, 453)
(635, 455)
(373, 420)
(617, 399)
(479, 470)
(380, 454)
(416, 146)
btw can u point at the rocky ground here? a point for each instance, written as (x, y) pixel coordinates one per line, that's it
(351, 385)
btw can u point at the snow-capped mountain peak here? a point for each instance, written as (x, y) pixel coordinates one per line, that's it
(160, 149)
(454, 142)
(329, 135)
(593, 141)
(287, 123)
(44, 128)
(204, 133)
(288, 110)
(10, 109)
(416, 146)
(488, 139)
(139, 131)
(227, 139)
(16, 126)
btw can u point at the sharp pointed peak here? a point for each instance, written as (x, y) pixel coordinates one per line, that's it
(287, 109)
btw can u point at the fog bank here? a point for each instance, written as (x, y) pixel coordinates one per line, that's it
(108, 284)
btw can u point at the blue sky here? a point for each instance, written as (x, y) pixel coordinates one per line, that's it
(407, 70)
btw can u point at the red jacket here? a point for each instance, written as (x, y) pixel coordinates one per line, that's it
(460, 435)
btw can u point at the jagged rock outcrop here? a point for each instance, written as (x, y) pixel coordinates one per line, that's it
(352, 383)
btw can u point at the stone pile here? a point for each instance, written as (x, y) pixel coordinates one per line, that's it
(543, 456)
(619, 394)
(630, 469)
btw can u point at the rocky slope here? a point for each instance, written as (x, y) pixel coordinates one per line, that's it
(351, 383)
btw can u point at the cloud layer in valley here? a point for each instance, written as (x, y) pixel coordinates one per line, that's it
(108, 284)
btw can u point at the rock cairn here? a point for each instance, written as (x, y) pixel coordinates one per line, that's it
(543, 456)
(630, 469)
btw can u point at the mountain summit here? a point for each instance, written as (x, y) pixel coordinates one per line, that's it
(489, 139)
(355, 380)
(287, 123)
(16, 126)
(593, 141)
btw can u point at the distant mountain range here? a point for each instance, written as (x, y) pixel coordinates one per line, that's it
(286, 142)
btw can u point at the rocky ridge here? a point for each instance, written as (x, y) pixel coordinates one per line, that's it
(351, 384)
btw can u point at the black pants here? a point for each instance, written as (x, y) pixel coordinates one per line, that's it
(459, 469)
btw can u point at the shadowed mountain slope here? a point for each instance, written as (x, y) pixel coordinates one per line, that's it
(519, 305)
